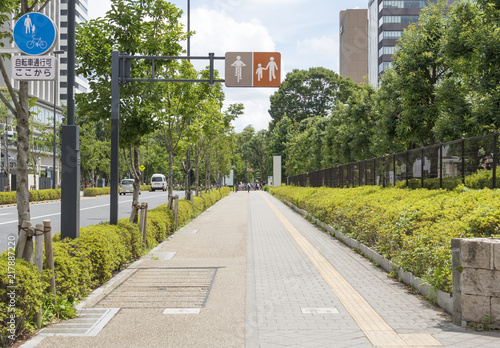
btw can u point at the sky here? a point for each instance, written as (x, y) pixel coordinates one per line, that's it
(305, 32)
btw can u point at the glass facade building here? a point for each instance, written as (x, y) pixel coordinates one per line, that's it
(387, 21)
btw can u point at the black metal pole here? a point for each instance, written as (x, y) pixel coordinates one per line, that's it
(422, 167)
(394, 169)
(494, 169)
(56, 81)
(440, 166)
(115, 117)
(54, 131)
(189, 27)
(407, 165)
(463, 161)
(70, 152)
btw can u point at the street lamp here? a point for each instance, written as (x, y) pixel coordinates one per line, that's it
(56, 80)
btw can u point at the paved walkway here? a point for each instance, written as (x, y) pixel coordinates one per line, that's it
(249, 272)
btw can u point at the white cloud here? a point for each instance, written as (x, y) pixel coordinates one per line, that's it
(320, 47)
(219, 34)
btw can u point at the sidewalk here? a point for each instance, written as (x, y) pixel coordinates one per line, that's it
(249, 272)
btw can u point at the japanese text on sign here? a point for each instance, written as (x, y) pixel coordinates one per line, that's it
(34, 68)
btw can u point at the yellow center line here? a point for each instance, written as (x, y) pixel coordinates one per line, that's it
(369, 321)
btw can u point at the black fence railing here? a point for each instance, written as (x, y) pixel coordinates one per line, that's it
(444, 165)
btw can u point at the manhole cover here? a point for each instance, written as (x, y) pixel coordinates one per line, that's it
(162, 288)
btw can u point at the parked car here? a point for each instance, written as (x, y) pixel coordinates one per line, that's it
(127, 186)
(158, 182)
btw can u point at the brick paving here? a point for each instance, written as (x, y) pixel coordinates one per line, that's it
(267, 291)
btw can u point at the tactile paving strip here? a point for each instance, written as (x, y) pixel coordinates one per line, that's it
(162, 288)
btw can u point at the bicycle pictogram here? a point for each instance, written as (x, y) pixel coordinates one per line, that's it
(36, 42)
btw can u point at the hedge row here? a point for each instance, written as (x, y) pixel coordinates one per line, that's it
(478, 180)
(412, 228)
(35, 196)
(84, 263)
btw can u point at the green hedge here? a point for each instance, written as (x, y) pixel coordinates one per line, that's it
(412, 228)
(35, 196)
(96, 191)
(479, 180)
(82, 264)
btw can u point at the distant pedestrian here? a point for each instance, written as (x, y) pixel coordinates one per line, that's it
(485, 163)
(248, 187)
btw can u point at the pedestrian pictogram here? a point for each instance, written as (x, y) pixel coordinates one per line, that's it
(34, 33)
(253, 69)
(142, 167)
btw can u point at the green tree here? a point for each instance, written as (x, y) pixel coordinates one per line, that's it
(18, 104)
(94, 152)
(279, 137)
(471, 47)
(419, 67)
(148, 27)
(308, 93)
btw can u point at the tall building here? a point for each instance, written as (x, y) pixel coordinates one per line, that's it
(386, 22)
(354, 44)
(48, 103)
(81, 15)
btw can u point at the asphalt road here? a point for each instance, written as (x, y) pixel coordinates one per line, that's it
(93, 210)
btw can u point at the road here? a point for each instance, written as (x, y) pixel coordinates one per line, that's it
(93, 210)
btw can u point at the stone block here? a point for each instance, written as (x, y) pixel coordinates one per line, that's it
(476, 253)
(471, 284)
(489, 282)
(474, 308)
(496, 254)
(495, 310)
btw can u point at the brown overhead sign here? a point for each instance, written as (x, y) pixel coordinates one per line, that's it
(253, 69)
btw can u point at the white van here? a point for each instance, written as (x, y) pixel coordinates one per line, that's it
(158, 182)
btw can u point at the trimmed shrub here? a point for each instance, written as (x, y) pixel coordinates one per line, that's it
(80, 264)
(96, 191)
(185, 212)
(18, 306)
(72, 270)
(198, 205)
(412, 228)
(7, 197)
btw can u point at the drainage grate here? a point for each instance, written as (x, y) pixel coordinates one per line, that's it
(90, 322)
(162, 288)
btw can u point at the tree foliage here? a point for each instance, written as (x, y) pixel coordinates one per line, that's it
(308, 93)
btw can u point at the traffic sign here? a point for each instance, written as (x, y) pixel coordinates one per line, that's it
(34, 68)
(34, 33)
(142, 167)
(253, 69)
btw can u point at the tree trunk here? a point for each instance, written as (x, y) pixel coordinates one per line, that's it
(187, 169)
(170, 178)
(136, 172)
(197, 174)
(22, 184)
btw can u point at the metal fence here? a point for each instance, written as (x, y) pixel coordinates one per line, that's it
(444, 165)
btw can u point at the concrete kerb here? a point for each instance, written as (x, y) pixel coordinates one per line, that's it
(443, 299)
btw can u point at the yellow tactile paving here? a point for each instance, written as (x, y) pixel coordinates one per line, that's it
(369, 321)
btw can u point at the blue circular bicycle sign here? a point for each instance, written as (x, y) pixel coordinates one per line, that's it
(34, 33)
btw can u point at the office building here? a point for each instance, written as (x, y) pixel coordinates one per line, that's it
(354, 44)
(386, 23)
(81, 15)
(48, 103)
